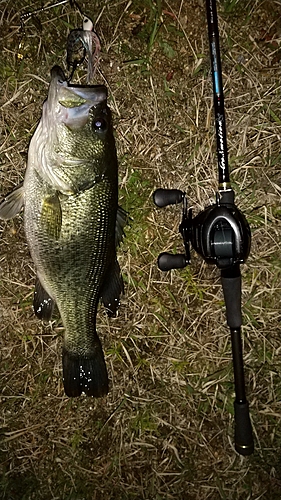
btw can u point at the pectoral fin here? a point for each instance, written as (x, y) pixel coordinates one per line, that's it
(112, 288)
(12, 204)
(43, 304)
(51, 216)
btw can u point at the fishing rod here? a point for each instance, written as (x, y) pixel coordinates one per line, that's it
(221, 235)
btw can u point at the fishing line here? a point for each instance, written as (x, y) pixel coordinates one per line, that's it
(26, 16)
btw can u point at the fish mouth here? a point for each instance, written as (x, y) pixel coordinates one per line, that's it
(96, 93)
(74, 101)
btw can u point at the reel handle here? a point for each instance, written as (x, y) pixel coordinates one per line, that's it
(167, 261)
(164, 197)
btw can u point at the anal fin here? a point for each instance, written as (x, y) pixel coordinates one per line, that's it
(43, 304)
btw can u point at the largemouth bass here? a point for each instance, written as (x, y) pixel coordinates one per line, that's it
(73, 223)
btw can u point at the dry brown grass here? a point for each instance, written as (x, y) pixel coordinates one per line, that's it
(166, 428)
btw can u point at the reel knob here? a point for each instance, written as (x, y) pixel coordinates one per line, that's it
(168, 261)
(164, 197)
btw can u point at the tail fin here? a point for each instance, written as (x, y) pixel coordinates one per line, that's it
(85, 373)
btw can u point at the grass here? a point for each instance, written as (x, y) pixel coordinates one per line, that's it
(166, 428)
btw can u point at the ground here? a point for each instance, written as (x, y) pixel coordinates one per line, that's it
(165, 431)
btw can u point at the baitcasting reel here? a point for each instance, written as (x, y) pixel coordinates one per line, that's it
(220, 233)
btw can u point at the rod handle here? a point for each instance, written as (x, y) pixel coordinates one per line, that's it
(168, 261)
(232, 297)
(164, 197)
(244, 442)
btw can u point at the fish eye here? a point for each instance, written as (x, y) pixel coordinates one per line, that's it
(100, 124)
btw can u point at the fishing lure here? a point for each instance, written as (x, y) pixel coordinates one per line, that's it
(80, 44)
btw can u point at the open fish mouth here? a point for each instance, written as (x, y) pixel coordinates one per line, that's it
(73, 102)
(97, 92)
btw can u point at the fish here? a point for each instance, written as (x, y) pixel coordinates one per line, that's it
(73, 224)
(79, 44)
